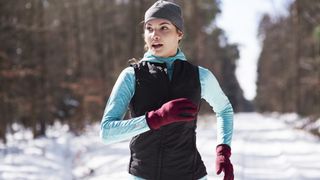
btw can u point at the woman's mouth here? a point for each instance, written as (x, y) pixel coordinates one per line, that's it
(157, 46)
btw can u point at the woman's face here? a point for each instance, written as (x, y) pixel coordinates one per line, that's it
(162, 37)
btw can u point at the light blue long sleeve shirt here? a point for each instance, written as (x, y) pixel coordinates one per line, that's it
(114, 128)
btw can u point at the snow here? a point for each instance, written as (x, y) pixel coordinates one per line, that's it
(263, 147)
(266, 148)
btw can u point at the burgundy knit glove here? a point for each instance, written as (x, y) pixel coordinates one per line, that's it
(223, 162)
(175, 110)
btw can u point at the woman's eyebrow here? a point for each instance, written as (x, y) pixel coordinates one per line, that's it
(163, 23)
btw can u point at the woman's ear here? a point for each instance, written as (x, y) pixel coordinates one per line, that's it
(180, 34)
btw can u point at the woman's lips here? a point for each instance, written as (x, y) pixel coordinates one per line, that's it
(156, 46)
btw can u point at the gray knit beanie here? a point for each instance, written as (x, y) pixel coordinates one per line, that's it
(165, 10)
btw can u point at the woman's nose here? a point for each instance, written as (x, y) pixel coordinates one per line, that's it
(155, 35)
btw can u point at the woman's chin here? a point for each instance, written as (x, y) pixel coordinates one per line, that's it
(156, 53)
(161, 54)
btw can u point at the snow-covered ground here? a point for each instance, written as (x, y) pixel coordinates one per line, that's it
(263, 147)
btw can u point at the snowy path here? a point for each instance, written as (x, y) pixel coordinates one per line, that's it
(263, 148)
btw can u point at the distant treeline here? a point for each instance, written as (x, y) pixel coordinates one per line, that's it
(59, 59)
(289, 64)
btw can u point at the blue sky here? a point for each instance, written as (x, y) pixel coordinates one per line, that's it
(240, 20)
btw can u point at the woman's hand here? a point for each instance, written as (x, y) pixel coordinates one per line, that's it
(223, 162)
(175, 110)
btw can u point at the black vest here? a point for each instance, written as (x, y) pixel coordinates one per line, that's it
(169, 153)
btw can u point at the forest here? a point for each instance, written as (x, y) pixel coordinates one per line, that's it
(289, 63)
(60, 59)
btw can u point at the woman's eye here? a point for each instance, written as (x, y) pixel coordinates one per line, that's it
(149, 29)
(164, 28)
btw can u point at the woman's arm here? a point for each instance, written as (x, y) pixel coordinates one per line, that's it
(213, 94)
(113, 127)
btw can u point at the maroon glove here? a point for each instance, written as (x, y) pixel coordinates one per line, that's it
(223, 162)
(175, 110)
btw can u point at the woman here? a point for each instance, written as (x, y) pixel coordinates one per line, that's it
(163, 92)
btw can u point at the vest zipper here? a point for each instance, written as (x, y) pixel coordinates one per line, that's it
(195, 155)
(160, 158)
(161, 135)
